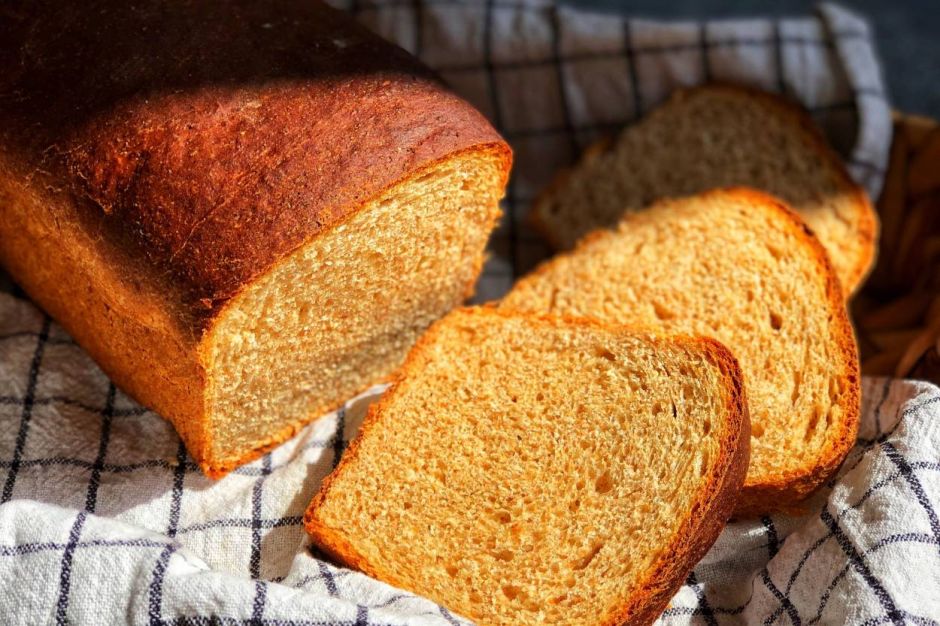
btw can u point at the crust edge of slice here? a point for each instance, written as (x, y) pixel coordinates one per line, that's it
(706, 518)
(792, 489)
(865, 212)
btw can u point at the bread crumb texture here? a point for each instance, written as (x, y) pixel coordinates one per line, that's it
(341, 313)
(718, 136)
(531, 470)
(737, 266)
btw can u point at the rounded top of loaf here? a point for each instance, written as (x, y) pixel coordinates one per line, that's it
(214, 137)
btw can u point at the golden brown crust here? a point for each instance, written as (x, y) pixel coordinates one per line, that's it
(227, 138)
(710, 512)
(190, 162)
(866, 217)
(696, 535)
(786, 491)
(95, 290)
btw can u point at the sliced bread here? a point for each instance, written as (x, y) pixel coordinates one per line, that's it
(738, 266)
(718, 136)
(532, 470)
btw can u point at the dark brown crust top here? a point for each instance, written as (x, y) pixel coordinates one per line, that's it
(215, 137)
(708, 516)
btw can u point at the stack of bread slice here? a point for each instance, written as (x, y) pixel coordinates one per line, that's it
(765, 275)
(710, 137)
(566, 456)
(738, 266)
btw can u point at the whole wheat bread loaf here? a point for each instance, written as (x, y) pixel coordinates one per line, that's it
(535, 470)
(738, 266)
(244, 211)
(717, 136)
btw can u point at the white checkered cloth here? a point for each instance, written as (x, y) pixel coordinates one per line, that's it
(105, 519)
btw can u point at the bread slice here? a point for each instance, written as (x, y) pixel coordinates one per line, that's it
(718, 136)
(738, 266)
(533, 470)
(245, 217)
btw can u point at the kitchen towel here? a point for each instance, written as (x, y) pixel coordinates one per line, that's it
(105, 519)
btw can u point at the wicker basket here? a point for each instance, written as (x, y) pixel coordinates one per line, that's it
(897, 313)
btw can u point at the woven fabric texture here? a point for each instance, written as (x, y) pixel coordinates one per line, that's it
(105, 519)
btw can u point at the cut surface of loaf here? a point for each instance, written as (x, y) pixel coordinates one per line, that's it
(718, 136)
(532, 470)
(341, 313)
(245, 217)
(738, 266)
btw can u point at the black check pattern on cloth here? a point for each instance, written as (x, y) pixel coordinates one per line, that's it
(875, 587)
(104, 518)
(104, 502)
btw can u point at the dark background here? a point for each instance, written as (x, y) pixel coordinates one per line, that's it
(907, 34)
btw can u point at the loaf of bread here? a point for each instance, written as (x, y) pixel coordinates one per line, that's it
(534, 470)
(718, 136)
(244, 211)
(738, 266)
